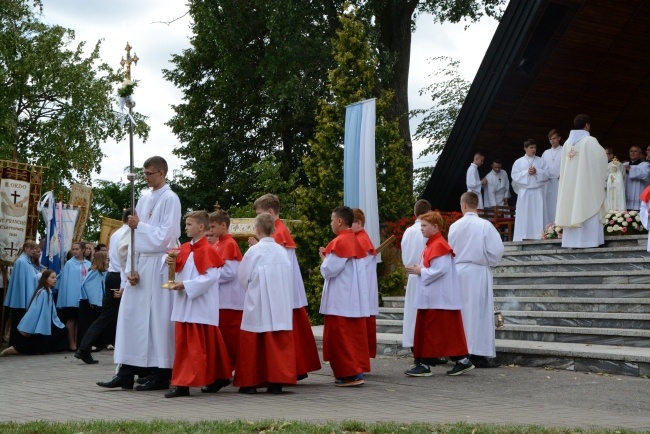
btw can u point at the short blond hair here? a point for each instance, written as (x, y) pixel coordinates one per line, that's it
(265, 223)
(266, 202)
(200, 217)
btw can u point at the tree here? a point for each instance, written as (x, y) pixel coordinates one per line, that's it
(448, 96)
(256, 71)
(56, 106)
(251, 81)
(393, 22)
(353, 79)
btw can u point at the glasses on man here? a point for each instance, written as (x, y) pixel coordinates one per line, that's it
(148, 174)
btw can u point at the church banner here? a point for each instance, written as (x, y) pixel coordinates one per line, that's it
(81, 196)
(20, 190)
(359, 171)
(108, 227)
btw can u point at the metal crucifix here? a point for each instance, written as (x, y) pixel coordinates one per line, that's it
(130, 103)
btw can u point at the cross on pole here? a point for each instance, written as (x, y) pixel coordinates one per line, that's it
(128, 61)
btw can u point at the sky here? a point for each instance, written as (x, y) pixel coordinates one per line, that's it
(139, 22)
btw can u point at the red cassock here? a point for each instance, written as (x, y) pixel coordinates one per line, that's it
(345, 345)
(439, 333)
(270, 358)
(230, 324)
(307, 359)
(201, 355)
(371, 327)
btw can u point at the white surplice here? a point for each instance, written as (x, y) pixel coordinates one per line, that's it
(638, 178)
(497, 189)
(266, 274)
(473, 182)
(198, 303)
(553, 159)
(345, 292)
(438, 285)
(413, 244)
(644, 219)
(581, 198)
(145, 331)
(529, 216)
(478, 247)
(231, 293)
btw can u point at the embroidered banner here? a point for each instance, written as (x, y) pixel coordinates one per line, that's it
(20, 190)
(108, 226)
(81, 196)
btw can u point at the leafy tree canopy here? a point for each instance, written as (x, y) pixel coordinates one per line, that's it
(56, 104)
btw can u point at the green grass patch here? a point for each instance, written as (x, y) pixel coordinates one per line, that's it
(272, 426)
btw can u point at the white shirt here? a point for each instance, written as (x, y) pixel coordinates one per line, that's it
(345, 292)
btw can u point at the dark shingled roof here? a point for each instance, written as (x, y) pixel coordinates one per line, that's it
(550, 60)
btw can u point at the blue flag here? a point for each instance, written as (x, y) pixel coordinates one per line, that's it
(51, 256)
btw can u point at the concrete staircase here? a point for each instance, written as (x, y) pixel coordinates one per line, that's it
(577, 309)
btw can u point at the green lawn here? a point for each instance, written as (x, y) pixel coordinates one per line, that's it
(267, 427)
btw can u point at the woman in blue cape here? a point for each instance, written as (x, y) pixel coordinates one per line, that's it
(93, 290)
(22, 286)
(41, 328)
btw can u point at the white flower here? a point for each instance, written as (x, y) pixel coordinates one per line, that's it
(609, 229)
(617, 228)
(620, 219)
(624, 224)
(626, 216)
(635, 226)
(634, 212)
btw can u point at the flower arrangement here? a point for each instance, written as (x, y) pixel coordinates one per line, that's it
(622, 223)
(126, 88)
(551, 232)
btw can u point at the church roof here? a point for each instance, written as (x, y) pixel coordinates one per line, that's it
(550, 60)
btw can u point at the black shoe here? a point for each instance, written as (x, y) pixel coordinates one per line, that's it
(155, 384)
(123, 382)
(301, 377)
(142, 380)
(247, 390)
(460, 368)
(275, 389)
(178, 391)
(85, 357)
(215, 386)
(484, 362)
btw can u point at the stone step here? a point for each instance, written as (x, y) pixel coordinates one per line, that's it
(573, 277)
(575, 357)
(564, 290)
(393, 301)
(569, 304)
(611, 241)
(391, 313)
(640, 321)
(573, 266)
(389, 326)
(585, 335)
(572, 356)
(567, 254)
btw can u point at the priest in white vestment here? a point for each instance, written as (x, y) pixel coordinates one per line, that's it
(637, 179)
(497, 189)
(145, 332)
(413, 244)
(472, 178)
(581, 198)
(478, 246)
(553, 159)
(529, 174)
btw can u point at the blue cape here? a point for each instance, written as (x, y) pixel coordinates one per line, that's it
(23, 282)
(40, 315)
(69, 283)
(92, 287)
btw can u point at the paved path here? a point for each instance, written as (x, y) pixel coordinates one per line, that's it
(59, 387)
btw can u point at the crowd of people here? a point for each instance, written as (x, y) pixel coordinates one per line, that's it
(550, 188)
(229, 317)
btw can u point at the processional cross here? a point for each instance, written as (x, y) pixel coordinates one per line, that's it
(128, 61)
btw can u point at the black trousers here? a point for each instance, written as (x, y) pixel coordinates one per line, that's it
(107, 319)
